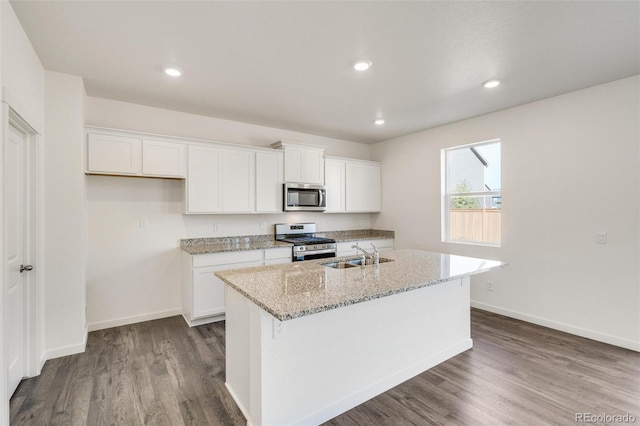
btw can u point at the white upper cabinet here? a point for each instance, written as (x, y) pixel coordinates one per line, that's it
(353, 186)
(130, 156)
(109, 154)
(362, 186)
(220, 180)
(334, 178)
(269, 180)
(203, 180)
(302, 163)
(238, 181)
(163, 158)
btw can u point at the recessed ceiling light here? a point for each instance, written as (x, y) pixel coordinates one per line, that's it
(491, 83)
(379, 121)
(362, 65)
(173, 72)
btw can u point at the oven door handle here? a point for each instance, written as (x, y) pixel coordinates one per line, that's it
(311, 253)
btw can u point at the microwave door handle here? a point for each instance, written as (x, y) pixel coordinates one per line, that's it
(321, 197)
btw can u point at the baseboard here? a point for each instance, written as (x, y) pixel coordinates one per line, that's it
(43, 359)
(383, 385)
(68, 350)
(242, 408)
(134, 319)
(203, 321)
(567, 328)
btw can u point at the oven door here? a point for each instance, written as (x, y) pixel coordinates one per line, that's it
(299, 256)
(304, 197)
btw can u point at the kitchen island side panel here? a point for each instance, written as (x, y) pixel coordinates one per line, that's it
(313, 368)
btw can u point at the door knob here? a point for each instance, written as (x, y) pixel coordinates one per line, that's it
(25, 268)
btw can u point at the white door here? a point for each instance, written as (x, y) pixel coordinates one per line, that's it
(14, 252)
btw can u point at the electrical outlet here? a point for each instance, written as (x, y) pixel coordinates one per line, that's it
(216, 227)
(144, 222)
(278, 328)
(263, 226)
(601, 237)
(489, 285)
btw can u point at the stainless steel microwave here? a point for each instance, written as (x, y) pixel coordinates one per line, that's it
(304, 197)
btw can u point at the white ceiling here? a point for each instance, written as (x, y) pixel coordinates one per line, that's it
(288, 64)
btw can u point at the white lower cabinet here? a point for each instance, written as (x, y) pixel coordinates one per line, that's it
(344, 248)
(203, 293)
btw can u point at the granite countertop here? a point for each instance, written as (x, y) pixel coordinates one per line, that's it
(227, 244)
(357, 235)
(297, 289)
(259, 242)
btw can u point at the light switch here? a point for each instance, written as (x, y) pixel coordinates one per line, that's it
(144, 222)
(601, 237)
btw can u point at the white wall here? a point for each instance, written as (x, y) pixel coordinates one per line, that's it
(22, 73)
(133, 273)
(22, 82)
(570, 168)
(64, 220)
(4, 398)
(127, 116)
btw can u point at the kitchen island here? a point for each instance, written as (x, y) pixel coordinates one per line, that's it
(306, 342)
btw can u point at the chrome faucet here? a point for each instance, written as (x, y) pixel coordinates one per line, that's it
(375, 257)
(366, 253)
(376, 254)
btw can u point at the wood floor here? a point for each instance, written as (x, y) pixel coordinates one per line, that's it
(164, 373)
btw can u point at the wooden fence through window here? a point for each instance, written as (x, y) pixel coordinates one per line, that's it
(475, 225)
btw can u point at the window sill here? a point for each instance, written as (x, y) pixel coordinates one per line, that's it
(474, 243)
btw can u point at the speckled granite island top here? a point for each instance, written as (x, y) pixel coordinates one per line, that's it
(297, 289)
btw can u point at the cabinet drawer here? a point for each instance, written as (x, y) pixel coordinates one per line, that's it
(213, 259)
(278, 253)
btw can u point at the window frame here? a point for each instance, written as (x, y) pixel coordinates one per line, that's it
(446, 196)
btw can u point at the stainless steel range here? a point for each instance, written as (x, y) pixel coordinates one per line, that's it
(306, 245)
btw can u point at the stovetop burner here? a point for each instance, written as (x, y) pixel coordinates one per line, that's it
(306, 245)
(306, 240)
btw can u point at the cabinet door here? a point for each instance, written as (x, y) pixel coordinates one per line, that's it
(238, 181)
(362, 187)
(114, 155)
(208, 290)
(203, 180)
(335, 183)
(312, 166)
(269, 175)
(293, 164)
(303, 165)
(163, 158)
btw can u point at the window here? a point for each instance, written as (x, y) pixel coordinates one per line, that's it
(472, 193)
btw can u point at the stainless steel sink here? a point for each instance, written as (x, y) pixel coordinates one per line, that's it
(340, 265)
(350, 263)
